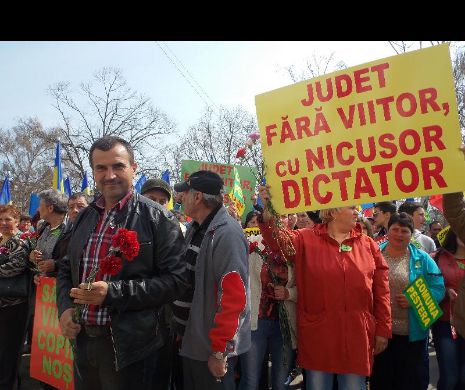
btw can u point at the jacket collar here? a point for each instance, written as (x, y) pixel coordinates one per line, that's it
(221, 218)
(124, 213)
(414, 251)
(321, 229)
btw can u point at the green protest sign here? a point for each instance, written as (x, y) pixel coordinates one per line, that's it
(424, 305)
(226, 171)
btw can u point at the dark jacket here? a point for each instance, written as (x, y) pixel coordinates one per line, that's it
(155, 277)
(59, 251)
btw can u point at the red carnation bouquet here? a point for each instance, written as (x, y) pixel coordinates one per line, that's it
(30, 238)
(268, 257)
(124, 244)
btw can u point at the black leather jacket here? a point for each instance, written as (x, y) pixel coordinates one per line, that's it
(155, 277)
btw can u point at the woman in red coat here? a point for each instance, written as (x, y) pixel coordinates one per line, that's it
(343, 305)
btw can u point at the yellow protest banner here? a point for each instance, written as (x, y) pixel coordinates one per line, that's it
(383, 130)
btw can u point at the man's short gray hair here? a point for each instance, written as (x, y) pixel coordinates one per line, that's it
(210, 201)
(54, 198)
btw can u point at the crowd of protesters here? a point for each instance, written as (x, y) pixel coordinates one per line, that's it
(190, 303)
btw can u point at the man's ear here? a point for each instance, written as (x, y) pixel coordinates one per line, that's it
(134, 168)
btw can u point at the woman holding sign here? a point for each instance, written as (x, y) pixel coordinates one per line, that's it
(343, 311)
(450, 347)
(400, 365)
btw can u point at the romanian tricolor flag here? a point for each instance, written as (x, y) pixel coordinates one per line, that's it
(5, 196)
(236, 194)
(57, 182)
(85, 185)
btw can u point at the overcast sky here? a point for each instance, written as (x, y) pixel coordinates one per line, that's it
(231, 73)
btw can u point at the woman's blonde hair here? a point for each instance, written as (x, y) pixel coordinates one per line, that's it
(327, 214)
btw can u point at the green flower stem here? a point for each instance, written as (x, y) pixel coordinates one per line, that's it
(79, 307)
(284, 326)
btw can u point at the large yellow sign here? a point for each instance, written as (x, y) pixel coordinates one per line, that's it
(384, 130)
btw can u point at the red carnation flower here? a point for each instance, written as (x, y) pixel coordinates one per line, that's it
(4, 250)
(126, 242)
(119, 238)
(241, 153)
(24, 236)
(130, 249)
(253, 246)
(111, 265)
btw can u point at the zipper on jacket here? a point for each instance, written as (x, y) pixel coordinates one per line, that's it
(113, 344)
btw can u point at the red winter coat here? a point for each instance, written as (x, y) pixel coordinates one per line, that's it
(342, 300)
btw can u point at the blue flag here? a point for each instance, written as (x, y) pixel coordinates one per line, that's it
(85, 185)
(5, 196)
(140, 183)
(33, 204)
(57, 181)
(166, 176)
(367, 206)
(68, 190)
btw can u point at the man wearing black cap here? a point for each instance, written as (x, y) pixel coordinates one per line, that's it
(217, 328)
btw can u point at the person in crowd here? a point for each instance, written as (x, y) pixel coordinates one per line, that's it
(450, 347)
(168, 370)
(366, 225)
(304, 221)
(343, 310)
(272, 283)
(454, 211)
(35, 220)
(116, 335)
(53, 206)
(417, 212)
(52, 225)
(434, 228)
(400, 366)
(381, 215)
(159, 191)
(13, 308)
(314, 216)
(25, 224)
(251, 219)
(77, 202)
(291, 221)
(214, 314)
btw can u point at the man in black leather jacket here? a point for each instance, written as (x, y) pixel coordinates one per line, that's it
(117, 337)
